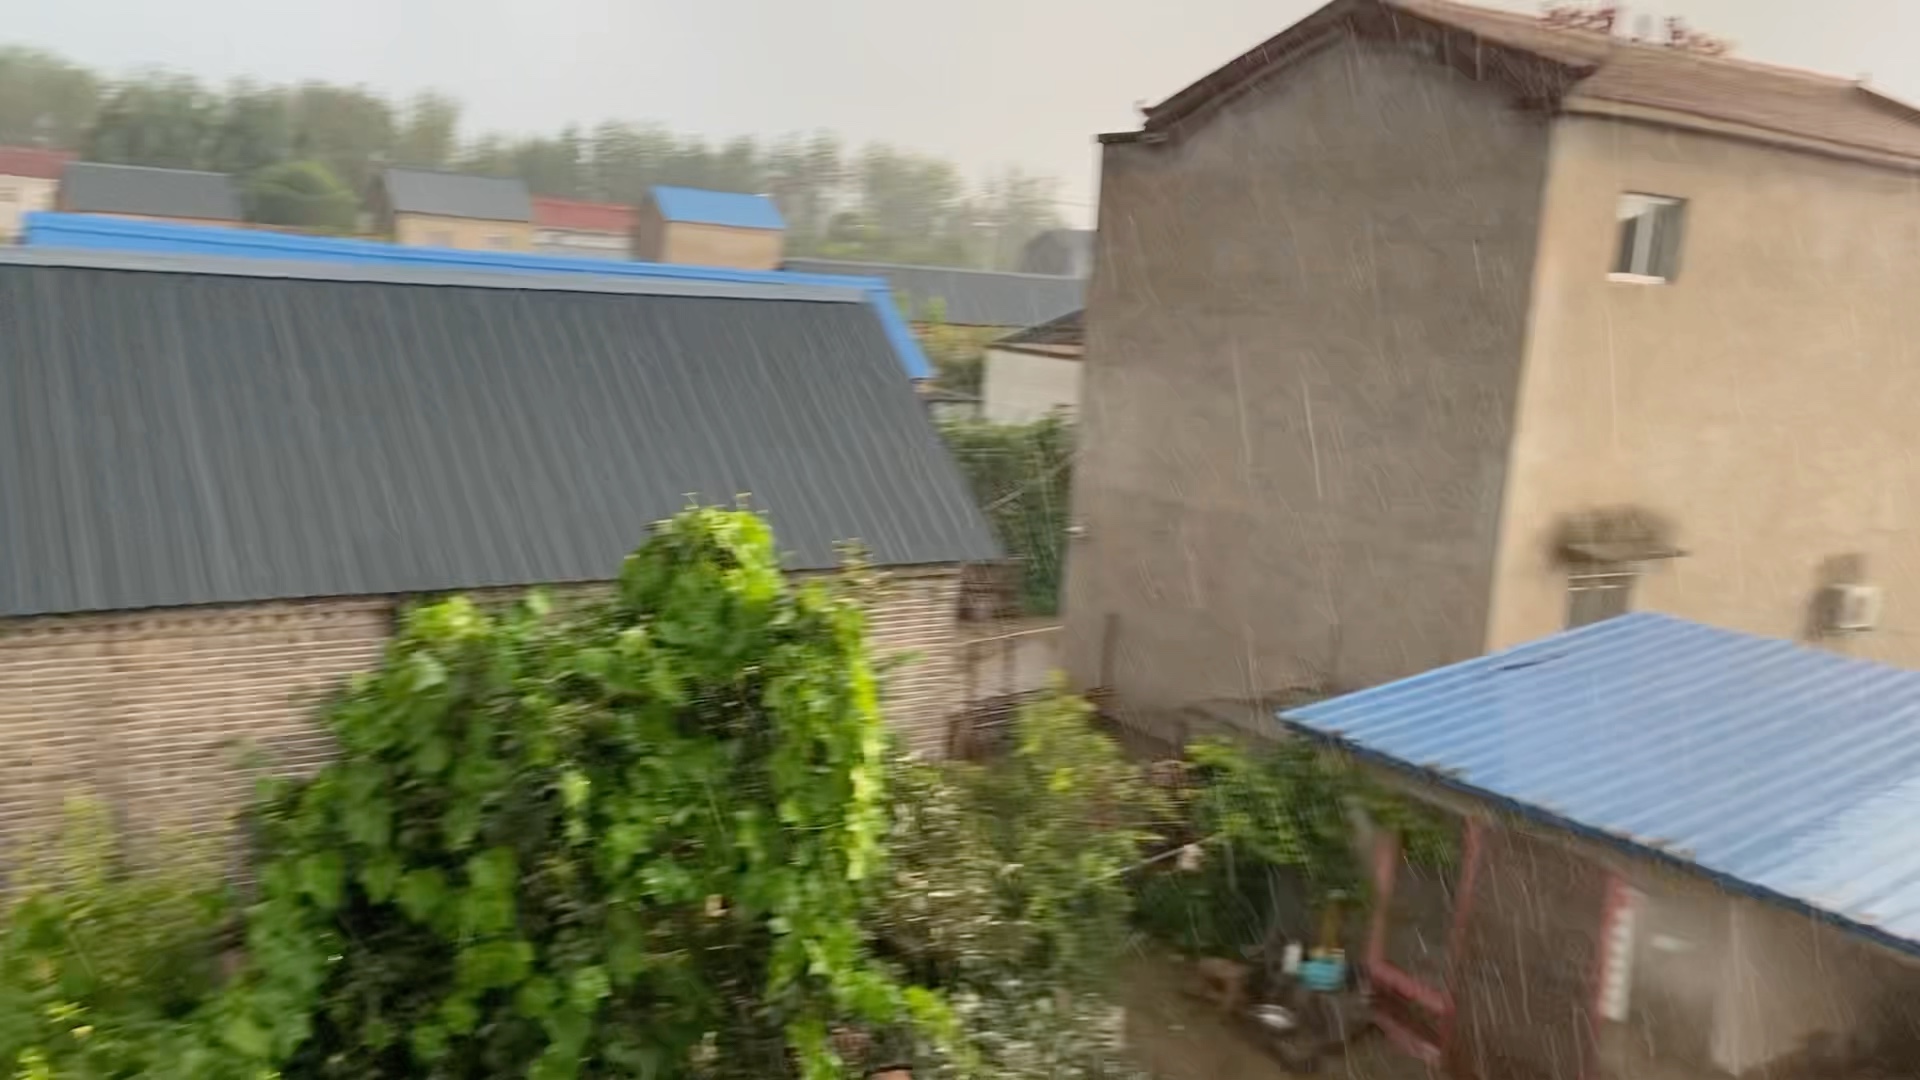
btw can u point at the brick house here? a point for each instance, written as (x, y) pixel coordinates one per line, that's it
(430, 208)
(148, 194)
(1389, 308)
(29, 181)
(592, 230)
(223, 476)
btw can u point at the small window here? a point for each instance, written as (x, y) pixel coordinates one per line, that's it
(497, 241)
(1598, 594)
(1649, 248)
(440, 239)
(6, 194)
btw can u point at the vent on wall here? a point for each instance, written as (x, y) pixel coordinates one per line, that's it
(1850, 608)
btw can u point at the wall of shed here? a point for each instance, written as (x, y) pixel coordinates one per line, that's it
(1021, 386)
(1305, 327)
(21, 195)
(583, 243)
(1765, 399)
(690, 244)
(147, 710)
(462, 234)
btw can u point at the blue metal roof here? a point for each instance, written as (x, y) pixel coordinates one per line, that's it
(1787, 772)
(99, 233)
(703, 207)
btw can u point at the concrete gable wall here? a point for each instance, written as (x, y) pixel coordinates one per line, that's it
(1305, 329)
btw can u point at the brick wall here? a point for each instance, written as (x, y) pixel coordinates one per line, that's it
(149, 711)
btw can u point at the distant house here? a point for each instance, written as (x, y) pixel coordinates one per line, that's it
(1034, 372)
(135, 191)
(696, 227)
(222, 477)
(975, 298)
(1682, 852)
(430, 208)
(592, 230)
(1066, 252)
(29, 181)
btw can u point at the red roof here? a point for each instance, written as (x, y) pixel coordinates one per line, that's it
(582, 216)
(34, 161)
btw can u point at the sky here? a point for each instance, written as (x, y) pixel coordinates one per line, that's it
(988, 83)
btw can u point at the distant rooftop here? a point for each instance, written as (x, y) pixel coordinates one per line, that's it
(966, 297)
(582, 216)
(698, 206)
(90, 187)
(35, 162)
(460, 195)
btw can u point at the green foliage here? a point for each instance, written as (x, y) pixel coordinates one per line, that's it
(1278, 822)
(957, 353)
(106, 969)
(1006, 890)
(302, 194)
(1021, 475)
(625, 842)
(876, 202)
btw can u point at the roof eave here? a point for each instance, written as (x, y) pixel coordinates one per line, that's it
(1605, 108)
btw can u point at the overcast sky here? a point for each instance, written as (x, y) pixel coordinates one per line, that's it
(987, 82)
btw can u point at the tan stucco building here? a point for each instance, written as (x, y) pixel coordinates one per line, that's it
(429, 208)
(696, 227)
(29, 181)
(1423, 329)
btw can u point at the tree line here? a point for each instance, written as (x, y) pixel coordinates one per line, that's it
(306, 154)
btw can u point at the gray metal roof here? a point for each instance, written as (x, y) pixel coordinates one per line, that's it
(90, 187)
(180, 432)
(969, 297)
(463, 195)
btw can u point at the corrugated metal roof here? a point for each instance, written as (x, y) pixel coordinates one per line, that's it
(461, 195)
(729, 208)
(89, 187)
(194, 435)
(1790, 772)
(82, 232)
(967, 297)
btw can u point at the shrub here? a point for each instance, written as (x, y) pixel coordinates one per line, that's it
(1022, 476)
(106, 968)
(624, 842)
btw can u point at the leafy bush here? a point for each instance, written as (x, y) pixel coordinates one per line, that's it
(106, 969)
(625, 842)
(1277, 821)
(1022, 476)
(1006, 890)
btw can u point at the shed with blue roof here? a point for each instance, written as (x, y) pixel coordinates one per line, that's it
(1681, 848)
(697, 227)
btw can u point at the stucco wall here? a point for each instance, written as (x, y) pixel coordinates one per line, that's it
(21, 195)
(1021, 386)
(1305, 326)
(464, 234)
(583, 243)
(1765, 399)
(146, 710)
(717, 245)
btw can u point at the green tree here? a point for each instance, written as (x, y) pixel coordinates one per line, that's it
(624, 841)
(254, 130)
(164, 120)
(45, 100)
(302, 194)
(429, 133)
(349, 129)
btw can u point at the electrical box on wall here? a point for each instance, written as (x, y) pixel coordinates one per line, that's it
(1851, 608)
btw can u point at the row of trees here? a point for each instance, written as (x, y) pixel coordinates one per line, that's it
(875, 202)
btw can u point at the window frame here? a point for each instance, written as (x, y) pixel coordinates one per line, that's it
(1656, 229)
(1586, 581)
